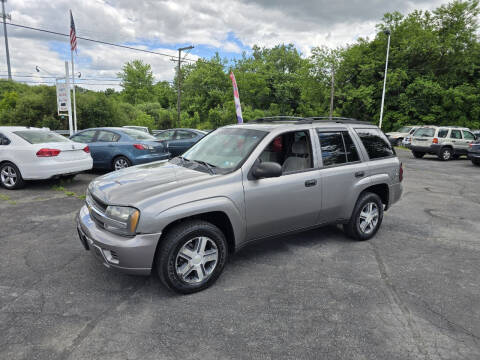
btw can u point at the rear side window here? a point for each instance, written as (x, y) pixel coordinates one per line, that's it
(107, 136)
(182, 134)
(138, 135)
(375, 143)
(456, 134)
(425, 132)
(337, 148)
(442, 133)
(40, 136)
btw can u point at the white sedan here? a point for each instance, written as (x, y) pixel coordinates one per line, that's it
(33, 154)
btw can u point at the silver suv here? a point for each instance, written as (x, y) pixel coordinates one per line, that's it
(444, 141)
(240, 183)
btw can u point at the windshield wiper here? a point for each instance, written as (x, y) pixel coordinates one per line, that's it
(209, 166)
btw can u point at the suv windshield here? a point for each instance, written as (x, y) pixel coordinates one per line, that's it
(138, 135)
(224, 149)
(404, 129)
(40, 136)
(425, 132)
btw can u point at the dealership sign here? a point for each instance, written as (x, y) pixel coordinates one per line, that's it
(63, 94)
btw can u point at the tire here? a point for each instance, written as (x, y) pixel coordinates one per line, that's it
(10, 176)
(418, 154)
(120, 162)
(367, 203)
(185, 276)
(446, 154)
(476, 162)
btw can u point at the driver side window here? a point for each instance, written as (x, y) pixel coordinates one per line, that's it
(292, 151)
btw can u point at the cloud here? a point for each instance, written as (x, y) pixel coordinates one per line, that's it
(212, 25)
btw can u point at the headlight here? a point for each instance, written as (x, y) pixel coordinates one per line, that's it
(125, 219)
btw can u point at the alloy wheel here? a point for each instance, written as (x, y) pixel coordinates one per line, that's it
(9, 176)
(196, 260)
(369, 217)
(121, 164)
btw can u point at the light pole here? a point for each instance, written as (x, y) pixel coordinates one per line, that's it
(5, 16)
(387, 32)
(179, 79)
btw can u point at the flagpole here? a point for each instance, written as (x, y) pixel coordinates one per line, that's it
(74, 101)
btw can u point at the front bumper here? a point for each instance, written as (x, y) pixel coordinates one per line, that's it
(131, 255)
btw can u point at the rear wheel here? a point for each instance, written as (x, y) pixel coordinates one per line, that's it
(418, 154)
(366, 217)
(121, 162)
(10, 176)
(446, 154)
(192, 256)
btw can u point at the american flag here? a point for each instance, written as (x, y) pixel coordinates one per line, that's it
(73, 35)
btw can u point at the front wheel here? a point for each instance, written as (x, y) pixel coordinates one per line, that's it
(192, 256)
(10, 176)
(366, 218)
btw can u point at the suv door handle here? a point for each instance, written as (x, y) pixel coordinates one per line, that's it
(309, 183)
(359, 174)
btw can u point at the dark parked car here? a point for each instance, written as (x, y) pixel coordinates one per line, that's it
(118, 148)
(474, 152)
(179, 140)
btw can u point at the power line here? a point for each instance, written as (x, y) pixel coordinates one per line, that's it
(93, 40)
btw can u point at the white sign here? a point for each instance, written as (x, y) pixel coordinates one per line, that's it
(62, 97)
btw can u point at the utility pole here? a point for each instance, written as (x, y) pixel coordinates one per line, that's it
(179, 79)
(5, 16)
(387, 32)
(332, 91)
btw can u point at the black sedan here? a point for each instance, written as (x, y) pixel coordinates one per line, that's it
(179, 140)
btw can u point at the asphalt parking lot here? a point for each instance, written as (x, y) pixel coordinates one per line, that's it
(412, 292)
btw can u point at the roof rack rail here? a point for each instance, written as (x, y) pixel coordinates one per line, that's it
(277, 118)
(338, 119)
(308, 120)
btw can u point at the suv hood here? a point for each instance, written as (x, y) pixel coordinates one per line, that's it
(132, 185)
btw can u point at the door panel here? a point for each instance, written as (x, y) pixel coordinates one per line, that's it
(278, 205)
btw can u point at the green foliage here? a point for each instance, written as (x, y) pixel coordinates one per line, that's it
(433, 78)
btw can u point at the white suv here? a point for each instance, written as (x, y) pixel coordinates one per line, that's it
(447, 142)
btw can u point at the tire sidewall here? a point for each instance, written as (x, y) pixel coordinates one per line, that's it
(364, 199)
(20, 180)
(120, 157)
(442, 154)
(167, 265)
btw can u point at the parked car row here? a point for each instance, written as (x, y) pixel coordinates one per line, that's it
(33, 153)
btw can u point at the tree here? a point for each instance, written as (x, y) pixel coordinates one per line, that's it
(137, 82)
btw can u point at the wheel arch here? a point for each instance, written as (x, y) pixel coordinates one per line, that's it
(382, 190)
(218, 218)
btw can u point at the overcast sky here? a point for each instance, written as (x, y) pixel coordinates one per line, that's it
(227, 27)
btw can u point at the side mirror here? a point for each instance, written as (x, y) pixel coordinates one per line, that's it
(267, 170)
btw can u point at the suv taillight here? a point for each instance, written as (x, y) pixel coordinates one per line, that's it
(48, 152)
(400, 172)
(435, 141)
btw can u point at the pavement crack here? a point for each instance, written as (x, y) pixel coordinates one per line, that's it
(395, 300)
